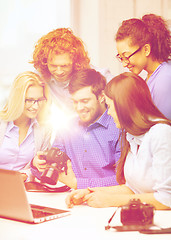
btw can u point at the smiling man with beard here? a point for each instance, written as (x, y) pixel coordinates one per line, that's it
(91, 140)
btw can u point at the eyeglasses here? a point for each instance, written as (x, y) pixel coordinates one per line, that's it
(126, 59)
(30, 102)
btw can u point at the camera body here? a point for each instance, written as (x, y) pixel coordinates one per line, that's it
(56, 162)
(137, 213)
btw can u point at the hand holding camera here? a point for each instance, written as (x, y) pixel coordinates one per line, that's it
(39, 161)
(56, 162)
(51, 164)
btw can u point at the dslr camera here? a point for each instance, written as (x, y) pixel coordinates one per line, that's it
(56, 163)
(137, 213)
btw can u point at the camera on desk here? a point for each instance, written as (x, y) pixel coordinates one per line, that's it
(56, 161)
(137, 213)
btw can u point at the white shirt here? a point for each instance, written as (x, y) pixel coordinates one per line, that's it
(148, 168)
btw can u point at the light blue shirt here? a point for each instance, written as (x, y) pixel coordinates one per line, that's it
(12, 155)
(159, 84)
(148, 164)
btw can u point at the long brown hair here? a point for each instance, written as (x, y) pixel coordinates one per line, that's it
(135, 110)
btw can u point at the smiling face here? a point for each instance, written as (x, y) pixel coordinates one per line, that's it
(112, 111)
(86, 104)
(33, 93)
(138, 61)
(60, 66)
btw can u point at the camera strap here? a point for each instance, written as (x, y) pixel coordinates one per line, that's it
(39, 187)
(108, 226)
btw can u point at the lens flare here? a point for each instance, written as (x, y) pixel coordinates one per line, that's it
(60, 118)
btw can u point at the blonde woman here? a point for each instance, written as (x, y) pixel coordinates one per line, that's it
(23, 129)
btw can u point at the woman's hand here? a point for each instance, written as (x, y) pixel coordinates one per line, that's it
(24, 176)
(99, 198)
(76, 197)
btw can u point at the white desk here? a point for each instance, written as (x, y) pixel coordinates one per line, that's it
(84, 223)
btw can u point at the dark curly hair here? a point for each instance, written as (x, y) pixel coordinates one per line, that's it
(59, 41)
(151, 29)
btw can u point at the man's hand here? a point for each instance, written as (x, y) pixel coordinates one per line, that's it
(39, 162)
(69, 179)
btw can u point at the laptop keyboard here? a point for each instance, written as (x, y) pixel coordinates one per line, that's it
(39, 214)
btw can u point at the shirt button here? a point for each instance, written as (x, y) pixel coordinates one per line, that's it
(85, 168)
(85, 150)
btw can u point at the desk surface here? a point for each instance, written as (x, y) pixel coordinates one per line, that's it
(84, 223)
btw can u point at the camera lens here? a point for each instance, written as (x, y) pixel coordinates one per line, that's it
(50, 175)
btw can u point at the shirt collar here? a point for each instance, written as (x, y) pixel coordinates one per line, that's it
(134, 142)
(34, 122)
(103, 121)
(136, 139)
(11, 124)
(59, 84)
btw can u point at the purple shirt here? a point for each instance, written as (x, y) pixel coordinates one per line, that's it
(14, 156)
(159, 84)
(92, 151)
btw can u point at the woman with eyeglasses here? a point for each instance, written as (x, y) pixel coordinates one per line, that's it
(143, 170)
(145, 44)
(23, 129)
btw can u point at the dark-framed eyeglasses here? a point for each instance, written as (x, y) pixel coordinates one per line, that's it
(30, 102)
(126, 59)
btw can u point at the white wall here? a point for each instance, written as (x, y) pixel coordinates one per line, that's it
(96, 22)
(22, 23)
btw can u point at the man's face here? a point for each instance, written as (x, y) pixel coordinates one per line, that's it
(86, 104)
(60, 66)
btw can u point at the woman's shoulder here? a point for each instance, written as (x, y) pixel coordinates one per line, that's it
(165, 67)
(160, 127)
(160, 130)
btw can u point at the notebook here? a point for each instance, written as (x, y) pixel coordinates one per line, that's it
(14, 203)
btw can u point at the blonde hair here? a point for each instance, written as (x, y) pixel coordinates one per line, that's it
(16, 101)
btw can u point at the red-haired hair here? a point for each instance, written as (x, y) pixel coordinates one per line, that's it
(151, 29)
(59, 41)
(135, 110)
